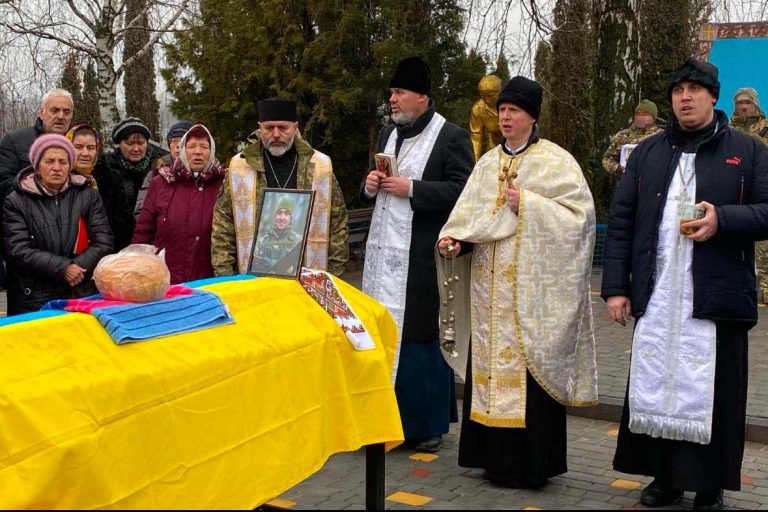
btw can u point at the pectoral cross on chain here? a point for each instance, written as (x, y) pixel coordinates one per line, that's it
(682, 198)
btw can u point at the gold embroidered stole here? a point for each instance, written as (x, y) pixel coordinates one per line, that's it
(316, 255)
(246, 185)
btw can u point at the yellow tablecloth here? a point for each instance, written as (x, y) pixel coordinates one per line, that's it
(221, 418)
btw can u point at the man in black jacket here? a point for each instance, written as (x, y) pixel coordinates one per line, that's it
(434, 160)
(693, 295)
(53, 116)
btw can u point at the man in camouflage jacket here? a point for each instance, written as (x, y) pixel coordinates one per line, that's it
(749, 118)
(643, 125)
(278, 158)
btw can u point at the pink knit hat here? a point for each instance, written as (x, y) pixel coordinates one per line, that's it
(48, 141)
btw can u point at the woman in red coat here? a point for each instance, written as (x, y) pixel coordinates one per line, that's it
(178, 210)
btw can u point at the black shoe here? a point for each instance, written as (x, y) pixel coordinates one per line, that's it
(659, 495)
(708, 500)
(429, 445)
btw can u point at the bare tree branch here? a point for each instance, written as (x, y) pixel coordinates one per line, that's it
(158, 34)
(88, 23)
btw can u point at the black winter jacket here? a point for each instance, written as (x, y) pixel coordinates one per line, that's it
(39, 236)
(731, 174)
(14, 155)
(119, 188)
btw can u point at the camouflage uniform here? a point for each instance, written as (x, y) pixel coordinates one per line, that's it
(223, 246)
(757, 127)
(275, 245)
(631, 135)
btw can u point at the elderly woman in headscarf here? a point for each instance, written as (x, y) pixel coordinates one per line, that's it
(55, 229)
(178, 212)
(122, 174)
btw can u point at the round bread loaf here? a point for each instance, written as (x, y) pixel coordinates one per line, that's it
(132, 277)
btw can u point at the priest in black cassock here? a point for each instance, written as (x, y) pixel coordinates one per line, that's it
(679, 257)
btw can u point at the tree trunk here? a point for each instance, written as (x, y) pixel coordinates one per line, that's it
(616, 86)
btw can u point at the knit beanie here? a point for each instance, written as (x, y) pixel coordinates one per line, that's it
(412, 74)
(692, 70)
(647, 107)
(178, 129)
(287, 204)
(523, 92)
(129, 126)
(45, 142)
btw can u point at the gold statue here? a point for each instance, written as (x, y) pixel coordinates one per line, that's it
(484, 118)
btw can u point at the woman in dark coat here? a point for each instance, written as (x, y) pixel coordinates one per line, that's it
(55, 229)
(178, 211)
(121, 174)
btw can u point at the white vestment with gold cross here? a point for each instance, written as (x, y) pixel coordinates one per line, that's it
(530, 303)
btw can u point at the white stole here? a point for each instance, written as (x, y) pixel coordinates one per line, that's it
(672, 375)
(385, 274)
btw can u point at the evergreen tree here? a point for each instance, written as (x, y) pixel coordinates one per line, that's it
(667, 33)
(502, 68)
(543, 72)
(89, 112)
(616, 85)
(139, 79)
(569, 117)
(70, 80)
(334, 60)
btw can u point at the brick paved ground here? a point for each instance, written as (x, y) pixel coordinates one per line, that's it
(440, 484)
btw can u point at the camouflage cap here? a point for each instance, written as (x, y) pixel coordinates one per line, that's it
(746, 94)
(648, 107)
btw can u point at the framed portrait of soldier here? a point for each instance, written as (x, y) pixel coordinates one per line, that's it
(281, 232)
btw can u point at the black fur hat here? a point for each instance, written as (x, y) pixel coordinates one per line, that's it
(699, 72)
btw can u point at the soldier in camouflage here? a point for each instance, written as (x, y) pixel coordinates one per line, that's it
(643, 125)
(279, 242)
(749, 118)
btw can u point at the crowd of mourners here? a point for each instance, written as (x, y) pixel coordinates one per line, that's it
(513, 317)
(67, 202)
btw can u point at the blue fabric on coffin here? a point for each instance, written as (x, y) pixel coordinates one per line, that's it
(137, 322)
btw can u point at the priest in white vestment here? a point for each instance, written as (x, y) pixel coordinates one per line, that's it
(679, 257)
(528, 218)
(434, 158)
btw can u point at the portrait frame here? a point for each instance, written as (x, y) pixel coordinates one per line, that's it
(281, 255)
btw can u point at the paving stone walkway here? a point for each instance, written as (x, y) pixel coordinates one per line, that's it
(427, 482)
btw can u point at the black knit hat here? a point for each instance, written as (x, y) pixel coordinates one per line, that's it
(523, 92)
(412, 74)
(275, 109)
(127, 127)
(702, 73)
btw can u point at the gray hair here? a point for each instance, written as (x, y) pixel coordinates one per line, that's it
(57, 93)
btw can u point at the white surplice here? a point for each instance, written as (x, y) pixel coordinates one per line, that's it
(672, 376)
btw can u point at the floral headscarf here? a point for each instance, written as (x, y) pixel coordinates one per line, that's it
(180, 170)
